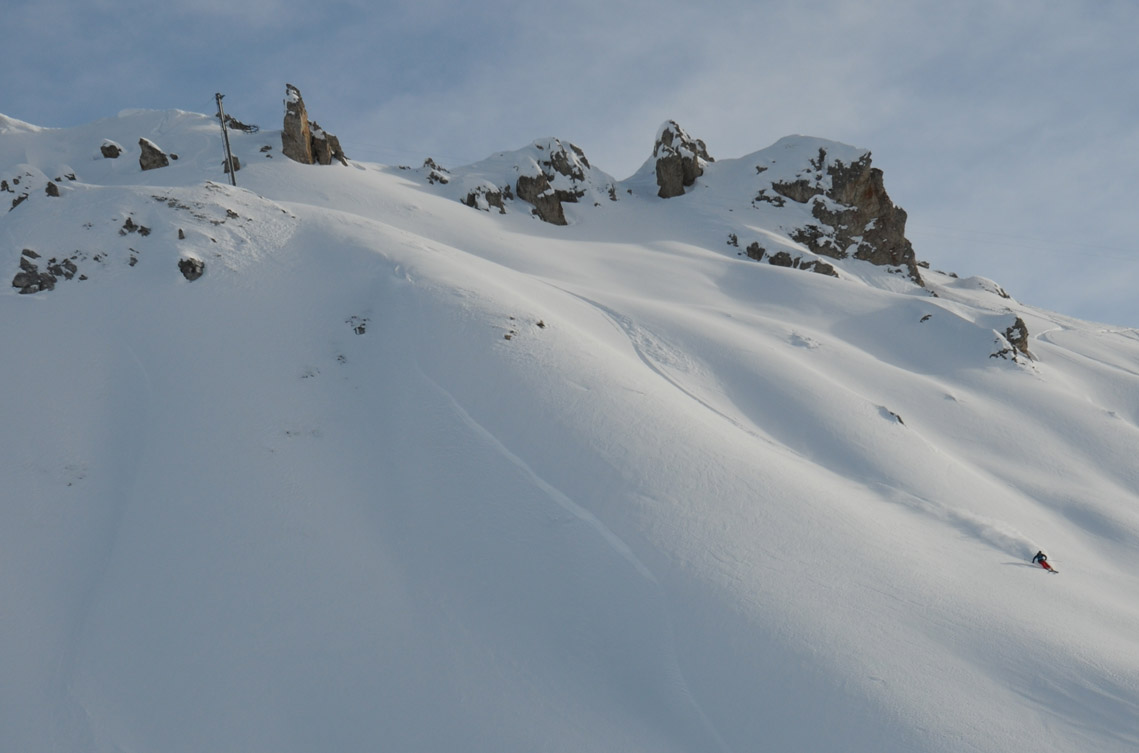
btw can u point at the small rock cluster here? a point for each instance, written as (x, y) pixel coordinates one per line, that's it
(30, 279)
(783, 258)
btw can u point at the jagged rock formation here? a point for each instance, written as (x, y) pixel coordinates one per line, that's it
(547, 175)
(151, 156)
(680, 159)
(819, 198)
(1017, 338)
(856, 217)
(1017, 335)
(547, 202)
(304, 141)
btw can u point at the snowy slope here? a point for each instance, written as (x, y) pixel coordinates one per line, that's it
(399, 474)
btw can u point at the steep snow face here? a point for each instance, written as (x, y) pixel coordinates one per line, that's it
(395, 473)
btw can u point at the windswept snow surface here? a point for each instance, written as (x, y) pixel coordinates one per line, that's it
(318, 499)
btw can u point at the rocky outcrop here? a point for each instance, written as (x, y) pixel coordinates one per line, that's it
(151, 157)
(547, 175)
(1012, 343)
(31, 279)
(856, 217)
(191, 268)
(680, 160)
(783, 258)
(547, 203)
(486, 196)
(110, 149)
(296, 134)
(304, 141)
(560, 176)
(326, 147)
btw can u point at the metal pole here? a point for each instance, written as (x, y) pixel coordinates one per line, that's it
(225, 137)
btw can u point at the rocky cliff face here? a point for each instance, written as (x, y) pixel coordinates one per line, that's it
(855, 215)
(305, 141)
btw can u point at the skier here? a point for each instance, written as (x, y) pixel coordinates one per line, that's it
(1042, 559)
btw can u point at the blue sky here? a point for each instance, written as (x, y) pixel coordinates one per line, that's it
(1009, 133)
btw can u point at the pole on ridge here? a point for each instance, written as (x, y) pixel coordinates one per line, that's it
(225, 138)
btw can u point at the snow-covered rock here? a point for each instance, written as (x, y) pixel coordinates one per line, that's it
(547, 174)
(678, 159)
(151, 157)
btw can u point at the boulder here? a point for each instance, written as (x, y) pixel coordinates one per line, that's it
(110, 149)
(30, 279)
(151, 156)
(191, 268)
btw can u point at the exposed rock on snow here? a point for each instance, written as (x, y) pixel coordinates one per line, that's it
(1017, 336)
(110, 149)
(1012, 344)
(151, 156)
(547, 175)
(31, 280)
(191, 269)
(784, 258)
(547, 202)
(486, 196)
(680, 159)
(436, 173)
(856, 217)
(304, 141)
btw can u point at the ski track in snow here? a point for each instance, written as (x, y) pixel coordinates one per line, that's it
(1001, 536)
(644, 344)
(612, 540)
(548, 489)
